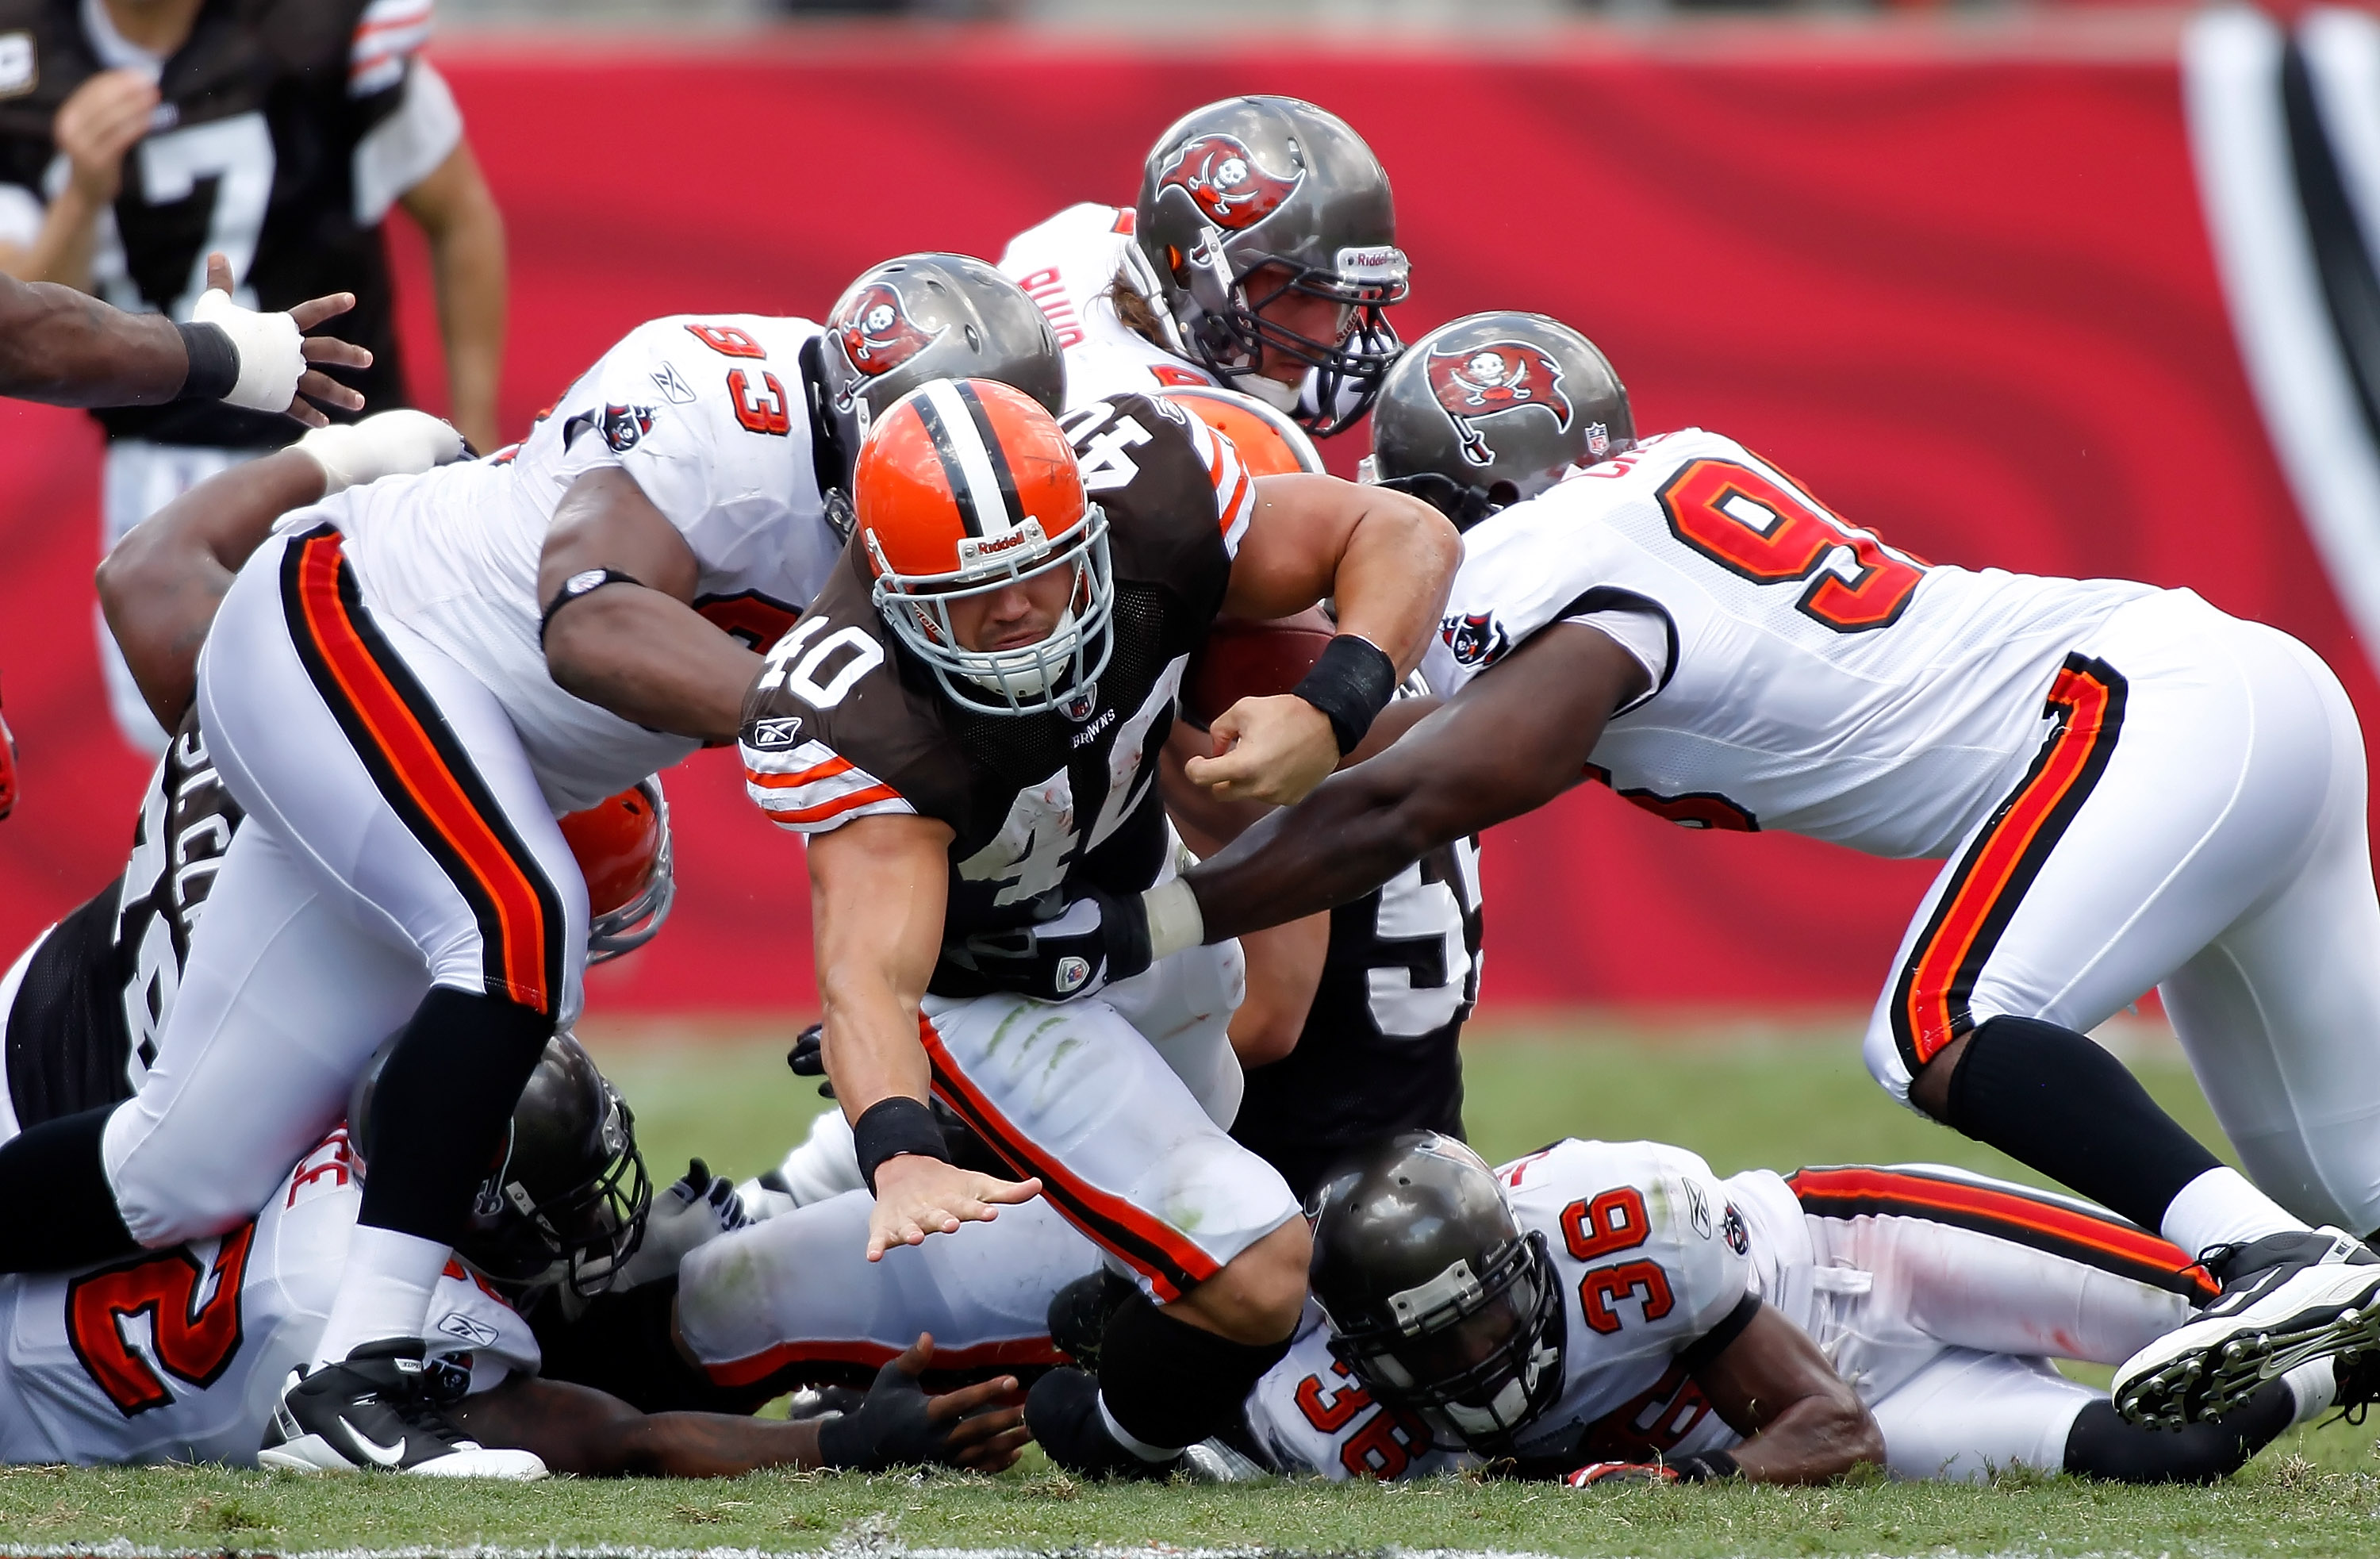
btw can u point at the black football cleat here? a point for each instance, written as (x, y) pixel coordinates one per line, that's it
(2287, 1300)
(378, 1408)
(1063, 1411)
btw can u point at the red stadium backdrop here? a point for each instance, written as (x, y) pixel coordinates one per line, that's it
(1969, 299)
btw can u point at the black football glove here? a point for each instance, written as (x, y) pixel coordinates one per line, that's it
(808, 1058)
(1089, 945)
(890, 1428)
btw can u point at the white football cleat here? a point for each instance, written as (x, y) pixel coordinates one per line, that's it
(2287, 1300)
(374, 1409)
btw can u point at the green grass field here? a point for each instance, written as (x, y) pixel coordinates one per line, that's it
(1741, 1097)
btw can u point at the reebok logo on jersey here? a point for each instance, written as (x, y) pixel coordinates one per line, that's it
(672, 386)
(775, 734)
(478, 1334)
(1477, 638)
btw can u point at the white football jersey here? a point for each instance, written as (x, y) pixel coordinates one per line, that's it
(708, 414)
(1817, 681)
(180, 1355)
(1649, 1254)
(1066, 266)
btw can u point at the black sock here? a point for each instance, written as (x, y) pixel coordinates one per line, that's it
(56, 1207)
(2101, 1444)
(2052, 1099)
(1167, 1383)
(439, 1112)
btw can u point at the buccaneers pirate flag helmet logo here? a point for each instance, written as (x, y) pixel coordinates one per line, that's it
(876, 334)
(1500, 377)
(1227, 184)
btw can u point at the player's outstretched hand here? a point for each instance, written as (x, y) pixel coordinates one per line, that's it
(309, 382)
(1270, 750)
(917, 1196)
(980, 1427)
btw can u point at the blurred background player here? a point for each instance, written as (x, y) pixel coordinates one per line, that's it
(1261, 255)
(136, 136)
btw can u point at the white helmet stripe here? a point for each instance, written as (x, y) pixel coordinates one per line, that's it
(965, 457)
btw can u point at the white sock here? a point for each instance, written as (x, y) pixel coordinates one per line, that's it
(2221, 1208)
(2316, 1387)
(384, 1294)
(1140, 1448)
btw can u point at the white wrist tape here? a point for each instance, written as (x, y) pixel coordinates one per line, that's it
(1174, 922)
(387, 444)
(271, 361)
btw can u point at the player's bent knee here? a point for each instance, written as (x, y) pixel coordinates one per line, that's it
(1259, 1294)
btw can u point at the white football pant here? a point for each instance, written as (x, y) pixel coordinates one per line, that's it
(395, 840)
(2194, 822)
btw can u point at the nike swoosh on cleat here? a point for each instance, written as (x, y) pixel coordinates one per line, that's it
(385, 1455)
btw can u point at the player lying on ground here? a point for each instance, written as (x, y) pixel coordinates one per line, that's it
(63, 347)
(964, 723)
(179, 1355)
(2132, 789)
(1595, 1303)
(475, 653)
(1261, 255)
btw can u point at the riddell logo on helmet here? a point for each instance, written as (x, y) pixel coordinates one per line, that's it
(1477, 382)
(876, 334)
(1224, 180)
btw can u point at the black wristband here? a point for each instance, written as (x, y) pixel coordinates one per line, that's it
(587, 582)
(892, 1126)
(1705, 1466)
(214, 362)
(1350, 684)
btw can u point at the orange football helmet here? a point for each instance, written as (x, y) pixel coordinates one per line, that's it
(965, 487)
(623, 846)
(1269, 442)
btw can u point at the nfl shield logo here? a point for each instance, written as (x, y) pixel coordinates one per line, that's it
(1072, 972)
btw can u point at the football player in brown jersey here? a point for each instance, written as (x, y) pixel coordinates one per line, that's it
(966, 725)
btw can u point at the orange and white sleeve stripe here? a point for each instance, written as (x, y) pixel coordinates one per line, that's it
(387, 34)
(1236, 489)
(812, 788)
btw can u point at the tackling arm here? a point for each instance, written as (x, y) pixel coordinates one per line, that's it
(878, 891)
(161, 586)
(638, 649)
(1801, 1422)
(1513, 740)
(580, 1430)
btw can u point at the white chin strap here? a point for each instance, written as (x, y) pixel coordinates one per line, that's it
(1511, 1404)
(1272, 392)
(1026, 673)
